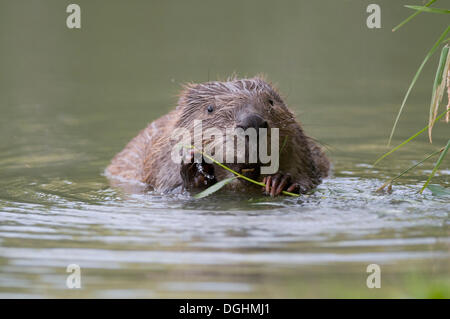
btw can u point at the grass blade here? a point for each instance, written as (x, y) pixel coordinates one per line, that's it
(436, 167)
(390, 181)
(214, 188)
(430, 10)
(438, 87)
(409, 139)
(411, 16)
(447, 117)
(427, 57)
(284, 144)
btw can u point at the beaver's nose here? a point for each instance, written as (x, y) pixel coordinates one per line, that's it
(253, 120)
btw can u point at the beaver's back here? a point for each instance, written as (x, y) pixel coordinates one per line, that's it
(133, 161)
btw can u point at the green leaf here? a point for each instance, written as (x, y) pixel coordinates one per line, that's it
(427, 57)
(214, 188)
(438, 87)
(411, 16)
(437, 190)
(430, 10)
(409, 139)
(436, 167)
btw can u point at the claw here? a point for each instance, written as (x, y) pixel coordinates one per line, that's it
(275, 181)
(284, 181)
(293, 188)
(268, 183)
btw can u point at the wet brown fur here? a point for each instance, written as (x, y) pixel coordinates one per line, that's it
(146, 157)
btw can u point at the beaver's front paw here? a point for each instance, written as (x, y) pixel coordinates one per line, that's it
(196, 175)
(278, 182)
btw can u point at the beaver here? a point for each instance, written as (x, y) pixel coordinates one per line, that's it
(252, 102)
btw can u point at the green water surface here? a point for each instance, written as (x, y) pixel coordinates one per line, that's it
(71, 99)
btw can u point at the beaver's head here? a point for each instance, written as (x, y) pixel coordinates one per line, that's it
(245, 103)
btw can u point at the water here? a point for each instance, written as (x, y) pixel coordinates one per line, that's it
(71, 99)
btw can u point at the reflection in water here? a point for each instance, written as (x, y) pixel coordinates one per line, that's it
(70, 100)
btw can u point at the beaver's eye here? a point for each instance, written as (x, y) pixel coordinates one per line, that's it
(210, 108)
(271, 102)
